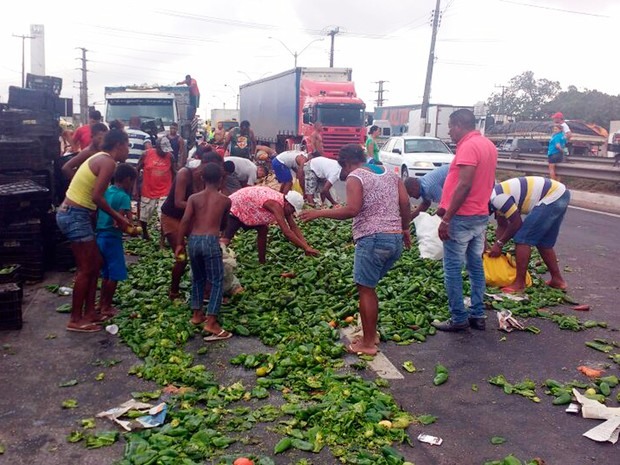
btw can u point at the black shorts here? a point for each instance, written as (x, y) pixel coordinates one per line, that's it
(234, 224)
(556, 158)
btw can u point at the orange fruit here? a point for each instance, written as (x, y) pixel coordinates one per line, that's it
(349, 319)
(333, 324)
(243, 461)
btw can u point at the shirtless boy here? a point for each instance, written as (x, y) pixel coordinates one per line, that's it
(205, 216)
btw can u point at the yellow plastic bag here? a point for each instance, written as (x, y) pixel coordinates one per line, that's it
(501, 271)
(297, 187)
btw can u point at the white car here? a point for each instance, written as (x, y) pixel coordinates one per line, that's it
(414, 155)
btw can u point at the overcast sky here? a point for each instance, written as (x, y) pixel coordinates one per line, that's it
(481, 44)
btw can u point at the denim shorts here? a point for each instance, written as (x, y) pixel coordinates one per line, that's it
(76, 223)
(374, 256)
(556, 158)
(542, 225)
(282, 172)
(111, 248)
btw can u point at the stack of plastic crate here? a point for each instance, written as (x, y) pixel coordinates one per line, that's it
(11, 294)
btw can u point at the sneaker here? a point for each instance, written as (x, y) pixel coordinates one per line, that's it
(450, 326)
(478, 323)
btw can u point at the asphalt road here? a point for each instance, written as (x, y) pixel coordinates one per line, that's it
(35, 360)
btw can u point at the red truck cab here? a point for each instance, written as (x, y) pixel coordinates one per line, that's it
(336, 106)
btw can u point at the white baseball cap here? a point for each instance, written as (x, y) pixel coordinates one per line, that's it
(295, 199)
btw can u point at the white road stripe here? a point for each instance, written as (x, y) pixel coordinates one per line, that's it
(594, 211)
(380, 364)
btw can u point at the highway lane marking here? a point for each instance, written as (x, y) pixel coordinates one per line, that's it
(613, 215)
(380, 364)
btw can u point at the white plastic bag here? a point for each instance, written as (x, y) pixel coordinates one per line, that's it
(426, 230)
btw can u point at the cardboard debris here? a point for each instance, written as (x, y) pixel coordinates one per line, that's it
(609, 430)
(503, 296)
(507, 322)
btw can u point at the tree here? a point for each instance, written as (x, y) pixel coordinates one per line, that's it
(591, 106)
(524, 98)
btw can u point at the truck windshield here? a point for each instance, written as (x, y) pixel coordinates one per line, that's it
(425, 146)
(347, 116)
(146, 109)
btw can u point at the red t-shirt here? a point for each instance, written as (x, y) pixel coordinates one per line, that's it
(193, 87)
(157, 178)
(472, 150)
(82, 136)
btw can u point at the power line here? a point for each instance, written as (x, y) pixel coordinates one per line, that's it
(563, 10)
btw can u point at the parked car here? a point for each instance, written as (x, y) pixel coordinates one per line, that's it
(414, 155)
(520, 145)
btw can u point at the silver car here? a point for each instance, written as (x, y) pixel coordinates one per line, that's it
(414, 155)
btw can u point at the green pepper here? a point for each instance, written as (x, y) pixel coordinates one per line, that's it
(301, 445)
(604, 388)
(440, 378)
(562, 399)
(283, 445)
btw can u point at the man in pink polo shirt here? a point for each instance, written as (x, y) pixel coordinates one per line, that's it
(464, 209)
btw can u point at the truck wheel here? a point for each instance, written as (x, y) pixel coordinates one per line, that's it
(404, 172)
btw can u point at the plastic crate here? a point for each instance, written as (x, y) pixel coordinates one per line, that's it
(9, 273)
(42, 178)
(30, 99)
(21, 153)
(23, 195)
(29, 123)
(10, 307)
(30, 229)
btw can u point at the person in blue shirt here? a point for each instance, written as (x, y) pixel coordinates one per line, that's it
(110, 237)
(555, 152)
(429, 187)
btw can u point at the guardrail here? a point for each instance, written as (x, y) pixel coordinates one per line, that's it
(570, 159)
(576, 170)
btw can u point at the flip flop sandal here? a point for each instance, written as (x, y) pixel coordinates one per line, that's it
(510, 290)
(349, 348)
(87, 328)
(221, 336)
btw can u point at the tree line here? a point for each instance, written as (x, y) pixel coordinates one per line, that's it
(526, 98)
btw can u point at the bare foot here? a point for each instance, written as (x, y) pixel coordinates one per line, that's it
(83, 327)
(557, 284)
(359, 349)
(198, 318)
(109, 311)
(359, 339)
(236, 290)
(212, 327)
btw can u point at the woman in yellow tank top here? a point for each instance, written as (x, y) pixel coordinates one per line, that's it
(75, 218)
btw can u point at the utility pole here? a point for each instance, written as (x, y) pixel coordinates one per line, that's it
(501, 102)
(429, 71)
(332, 33)
(23, 37)
(380, 92)
(83, 87)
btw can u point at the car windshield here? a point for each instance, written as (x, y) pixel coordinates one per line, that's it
(425, 146)
(146, 109)
(341, 116)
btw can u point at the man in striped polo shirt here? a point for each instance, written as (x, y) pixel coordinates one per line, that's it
(139, 141)
(544, 201)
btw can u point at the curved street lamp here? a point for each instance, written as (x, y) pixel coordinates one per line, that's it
(296, 54)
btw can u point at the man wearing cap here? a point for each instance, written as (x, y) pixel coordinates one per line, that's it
(256, 207)
(158, 169)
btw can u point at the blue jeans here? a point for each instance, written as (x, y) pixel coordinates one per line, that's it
(205, 257)
(465, 245)
(374, 257)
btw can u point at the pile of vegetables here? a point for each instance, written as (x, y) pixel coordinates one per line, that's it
(303, 391)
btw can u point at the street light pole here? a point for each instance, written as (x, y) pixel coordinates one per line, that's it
(295, 53)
